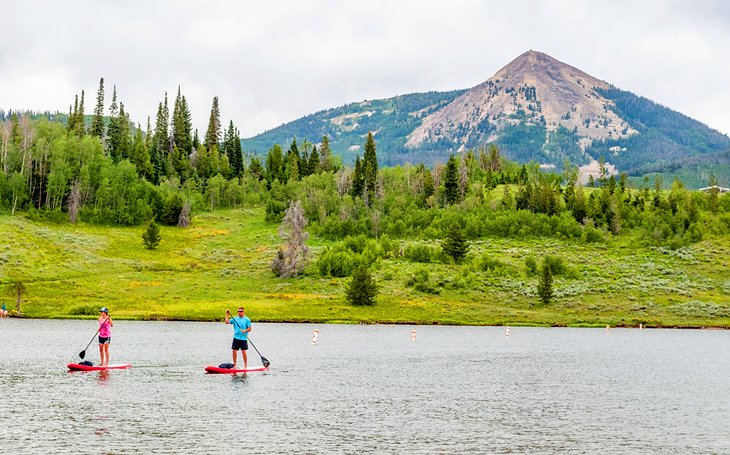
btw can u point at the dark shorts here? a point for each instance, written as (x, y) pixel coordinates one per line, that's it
(239, 345)
(105, 340)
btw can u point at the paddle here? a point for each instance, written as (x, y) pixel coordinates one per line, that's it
(82, 354)
(264, 360)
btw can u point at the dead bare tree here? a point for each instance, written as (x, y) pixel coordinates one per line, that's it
(292, 257)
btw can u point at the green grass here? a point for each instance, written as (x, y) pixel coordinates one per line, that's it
(222, 261)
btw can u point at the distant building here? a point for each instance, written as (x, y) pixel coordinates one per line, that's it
(719, 189)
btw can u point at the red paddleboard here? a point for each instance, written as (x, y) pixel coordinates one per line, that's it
(218, 370)
(113, 366)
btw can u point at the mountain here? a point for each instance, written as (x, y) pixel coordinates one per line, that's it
(536, 108)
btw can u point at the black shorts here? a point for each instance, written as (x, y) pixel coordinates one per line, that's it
(105, 340)
(239, 345)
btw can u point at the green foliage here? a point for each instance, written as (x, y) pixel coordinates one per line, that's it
(171, 210)
(545, 283)
(419, 281)
(455, 245)
(362, 289)
(151, 236)
(530, 266)
(420, 253)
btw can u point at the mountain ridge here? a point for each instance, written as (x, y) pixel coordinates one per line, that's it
(535, 108)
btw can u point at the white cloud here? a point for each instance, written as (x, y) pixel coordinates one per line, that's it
(272, 62)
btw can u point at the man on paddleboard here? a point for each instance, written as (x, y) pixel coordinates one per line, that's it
(105, 335)
(241, 326)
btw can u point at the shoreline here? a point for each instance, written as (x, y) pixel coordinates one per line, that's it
(411, 323)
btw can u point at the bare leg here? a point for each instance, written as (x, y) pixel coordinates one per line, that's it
(101, 354)
(106, 351)
(234, 358)
(245, 359)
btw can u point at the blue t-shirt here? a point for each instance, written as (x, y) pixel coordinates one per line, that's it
(243, 324)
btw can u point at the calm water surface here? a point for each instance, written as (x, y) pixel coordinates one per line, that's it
(366, 389)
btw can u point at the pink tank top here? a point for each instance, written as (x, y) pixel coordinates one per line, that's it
(104, 330)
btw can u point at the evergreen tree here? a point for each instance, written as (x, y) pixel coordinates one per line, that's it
(358, 179)
(181, 135)
(291, 172)
(151, 236)
(79, 124)
(314, 161)
(97, 122)
(275, 164)
(232, 149)
(326, 155)
(545, 285)
(455, 244)
(370, 166)
(428, 185)
(213, 134)
(451, 182)
(114, 130)
(362, 289)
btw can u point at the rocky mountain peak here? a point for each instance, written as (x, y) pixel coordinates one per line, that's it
(533, 89)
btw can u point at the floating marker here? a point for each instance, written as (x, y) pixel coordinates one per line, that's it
(314, 336)
(608, 327)
(506, 332)
(641, 326)
(413, 335)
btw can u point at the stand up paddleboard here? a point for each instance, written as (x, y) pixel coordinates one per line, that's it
(113, 366)
(219, 370)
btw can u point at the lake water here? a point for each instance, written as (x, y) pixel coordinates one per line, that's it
(366, 389)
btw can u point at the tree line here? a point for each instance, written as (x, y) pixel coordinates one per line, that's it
(103, 169)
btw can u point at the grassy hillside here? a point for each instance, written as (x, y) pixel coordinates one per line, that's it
(222, 261)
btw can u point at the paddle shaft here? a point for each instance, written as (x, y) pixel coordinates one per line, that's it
(82, 354)
(264, 360)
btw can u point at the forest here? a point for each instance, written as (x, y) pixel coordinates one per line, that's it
(102, 169)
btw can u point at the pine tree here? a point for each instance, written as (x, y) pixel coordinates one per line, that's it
(358, 179)
(151, 236)
(314, 161)
(97, 123)
(455, 244)
(182, 144)
(326, 155)
(274, 165)
(362, 289)
(213, 135)
(292, 162)
(451, 182)
(370, 166)
(113, 131)
(545, 285)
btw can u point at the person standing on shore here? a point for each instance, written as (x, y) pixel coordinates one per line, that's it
(105, 335)
(241, 328)
(4, 311)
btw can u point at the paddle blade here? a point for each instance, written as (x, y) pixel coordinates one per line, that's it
(82, 354)
(265, 361)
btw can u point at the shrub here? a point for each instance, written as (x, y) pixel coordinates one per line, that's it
(420, 253)
(337, 262)
(362, 289)
(530, 266)
(420, 282)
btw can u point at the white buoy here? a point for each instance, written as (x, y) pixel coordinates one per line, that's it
(641, 326)
(506, 332)
(314, 336)
(413, 335)
(608, 327)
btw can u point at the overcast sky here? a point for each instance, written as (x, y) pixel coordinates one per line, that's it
(273, 62)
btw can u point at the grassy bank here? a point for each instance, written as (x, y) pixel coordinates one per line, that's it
(222, 261)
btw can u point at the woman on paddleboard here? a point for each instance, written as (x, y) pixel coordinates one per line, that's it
(105, 335)
(241, 327)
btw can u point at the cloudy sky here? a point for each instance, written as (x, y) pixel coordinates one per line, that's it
(273, 62)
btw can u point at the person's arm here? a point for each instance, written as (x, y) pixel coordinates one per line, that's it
(248, 329)
(111, 323)
(228, 317)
